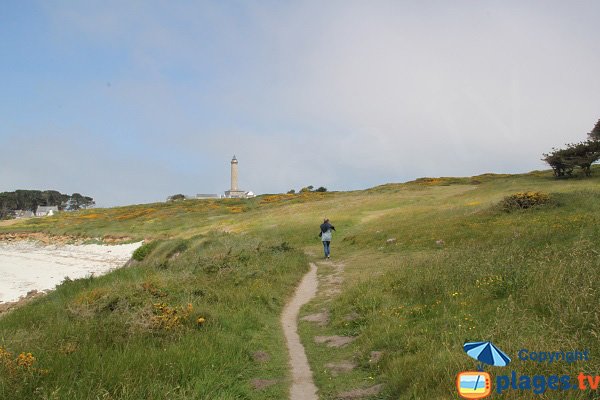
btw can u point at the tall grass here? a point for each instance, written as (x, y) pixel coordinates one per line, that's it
(181, 324)
(523, 280)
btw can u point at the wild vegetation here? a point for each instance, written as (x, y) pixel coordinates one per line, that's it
(427, 265)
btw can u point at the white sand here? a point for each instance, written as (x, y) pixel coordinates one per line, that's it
(26, 266)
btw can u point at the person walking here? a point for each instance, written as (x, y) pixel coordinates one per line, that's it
(326, 234)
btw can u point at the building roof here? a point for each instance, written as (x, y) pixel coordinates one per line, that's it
(46, 209)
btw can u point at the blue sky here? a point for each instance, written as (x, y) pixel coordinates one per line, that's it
(131, 101)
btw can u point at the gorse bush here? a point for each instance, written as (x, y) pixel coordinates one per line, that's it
(524, 200)
(21, 368)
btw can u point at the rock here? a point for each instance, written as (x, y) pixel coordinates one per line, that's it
(334, 341)
(261, 356)
(340, 367)
(440, 242)
(360, 393)
(353, 316)
(375, 357)
(322, 318)
(259, 384)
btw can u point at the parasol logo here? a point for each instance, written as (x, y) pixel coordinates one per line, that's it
(477, 385)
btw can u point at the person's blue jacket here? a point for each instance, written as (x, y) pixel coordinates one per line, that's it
(326, 229)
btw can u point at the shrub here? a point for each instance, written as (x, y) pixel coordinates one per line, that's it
(524, 200)
(141, 252)
(176, 197)
(283, 246)
(170, 318)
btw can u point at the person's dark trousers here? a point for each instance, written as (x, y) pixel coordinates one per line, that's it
(326, 247)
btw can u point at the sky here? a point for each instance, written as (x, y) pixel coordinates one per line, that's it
(132, 101)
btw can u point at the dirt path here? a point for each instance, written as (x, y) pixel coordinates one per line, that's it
(303, 387)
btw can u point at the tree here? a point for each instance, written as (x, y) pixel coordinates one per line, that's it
(292, 191)
(52, 198)
(88, 202)
(176, 197)
(307, 189)
(29, 199)
(582, 155)
(595, 133)
(8, 204)
(321, 189)
(559, 165)
(77, 201)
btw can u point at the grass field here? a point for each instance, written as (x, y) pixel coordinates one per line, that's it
(457, 268)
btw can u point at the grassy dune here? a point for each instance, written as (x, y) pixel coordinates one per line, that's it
(522, 279)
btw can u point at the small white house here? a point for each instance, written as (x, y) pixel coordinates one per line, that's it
(23, 214)
(46, 211)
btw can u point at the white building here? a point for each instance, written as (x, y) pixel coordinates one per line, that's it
(46, 211)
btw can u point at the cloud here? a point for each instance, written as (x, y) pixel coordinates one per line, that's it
(341, 94)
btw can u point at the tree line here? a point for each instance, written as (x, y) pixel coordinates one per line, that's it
(575, 155)
(30, 200)
(309, 188)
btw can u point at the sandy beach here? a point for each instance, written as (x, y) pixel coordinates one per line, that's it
(27, 265)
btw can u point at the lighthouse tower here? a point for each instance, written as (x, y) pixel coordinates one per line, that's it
(235, 192)
(234, 174)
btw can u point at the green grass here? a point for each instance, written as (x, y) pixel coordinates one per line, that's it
(105, 338)
(522, 279)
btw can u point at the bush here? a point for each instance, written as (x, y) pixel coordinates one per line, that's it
(524, 200)
(176, 197)
(141, 252)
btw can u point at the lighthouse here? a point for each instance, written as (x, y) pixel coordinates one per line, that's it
(234, 174)
(234, 191)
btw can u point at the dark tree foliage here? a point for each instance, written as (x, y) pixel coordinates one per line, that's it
(78, 201)
(575, 155)
(176, 197)
(307, 189)
(595, 133)
(582, 155)
(30, 200)
(321, 189)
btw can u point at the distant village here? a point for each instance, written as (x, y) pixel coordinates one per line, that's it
(38, 203)
(41, 211)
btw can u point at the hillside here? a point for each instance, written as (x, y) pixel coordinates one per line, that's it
(417, 269)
